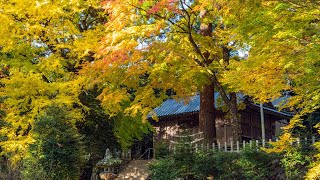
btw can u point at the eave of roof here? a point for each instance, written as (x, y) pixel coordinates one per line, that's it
(172, 107)
(274, 110)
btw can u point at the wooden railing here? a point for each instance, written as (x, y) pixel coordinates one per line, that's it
(197, 143)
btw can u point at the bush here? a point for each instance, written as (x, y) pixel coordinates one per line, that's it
(57, 152)
(257, 164)
(198, 165)
(295, 161)
(179, 164)
(221, 165)
(203, 166)
(251, 163)
(161, 149)
(164, 169)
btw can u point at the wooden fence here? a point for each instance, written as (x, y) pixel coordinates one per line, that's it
(196, 141)
(191, 137)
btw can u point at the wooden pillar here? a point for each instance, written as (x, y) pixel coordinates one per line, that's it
(263, 132)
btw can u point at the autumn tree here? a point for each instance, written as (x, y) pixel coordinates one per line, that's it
(283, 41)
(42, 47)
(151, 47)
(283, 38)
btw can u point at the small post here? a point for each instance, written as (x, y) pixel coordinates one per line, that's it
(196, 147)
(257, 143)
(313, 139)
(219, 146)
(306, 140)
(244, 144)
(250, 143)
(153, 145)
(213, 146)
(225, 146)
(269, 145)
(263, 143)
(231, 144)
(298, 141)
(238, 146)
(263, 134)
(277, 140)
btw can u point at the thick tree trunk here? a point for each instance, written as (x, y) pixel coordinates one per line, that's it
(234, 118)
(207, 119)
(207, 113)
(205, 95)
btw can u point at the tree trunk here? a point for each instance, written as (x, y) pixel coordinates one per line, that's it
(207, 92)
(207, 117)
(233, 108)
(234, 118)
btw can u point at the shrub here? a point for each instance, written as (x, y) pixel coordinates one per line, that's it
(256, 164)
(57, 152)
(161, 149)
(251, 163)
(164, 169)
(227, 167)
(196, 166)
(222, 165)
(295, 161)
(179, 164)
(204, 165)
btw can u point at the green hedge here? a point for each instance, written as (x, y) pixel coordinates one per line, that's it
(251, 163)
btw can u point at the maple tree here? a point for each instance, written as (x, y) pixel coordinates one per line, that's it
(283, 55)
(148, 48)
(42, 48)
(155, 46)
(283, 38)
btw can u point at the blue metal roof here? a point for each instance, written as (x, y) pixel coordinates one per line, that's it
(278, 102)
(174, 107)
(177, 107)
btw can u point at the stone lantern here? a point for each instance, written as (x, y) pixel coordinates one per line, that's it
(107, 168)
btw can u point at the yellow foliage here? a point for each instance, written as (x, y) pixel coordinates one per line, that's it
(281, 38)
(43, 44)
(151, 47)
(313, 173)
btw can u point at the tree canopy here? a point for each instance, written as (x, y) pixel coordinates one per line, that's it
(283, 43)
(283, 38)
(133, 54)
(152, 47)
(43, 44)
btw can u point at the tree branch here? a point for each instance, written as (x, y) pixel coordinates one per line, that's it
(223, 93)
(159, 16)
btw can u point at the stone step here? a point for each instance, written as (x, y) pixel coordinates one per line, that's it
(135, 170)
